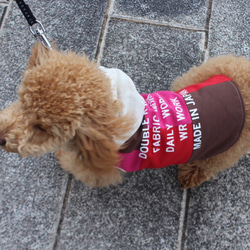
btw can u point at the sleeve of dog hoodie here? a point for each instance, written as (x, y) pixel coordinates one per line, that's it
(124, 89)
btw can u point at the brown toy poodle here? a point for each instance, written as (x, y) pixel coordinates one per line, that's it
(100, 126)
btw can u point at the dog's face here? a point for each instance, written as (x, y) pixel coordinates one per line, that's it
(29, 133)
(61, 95)
(49, 108)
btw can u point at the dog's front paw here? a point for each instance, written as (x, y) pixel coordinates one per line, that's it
(190, 175)
(100, 177)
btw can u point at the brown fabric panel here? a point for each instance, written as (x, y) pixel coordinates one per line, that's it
(134, 142)
(221, 116)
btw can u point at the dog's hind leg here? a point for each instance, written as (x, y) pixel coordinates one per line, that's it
(195, 173)
(192, 174)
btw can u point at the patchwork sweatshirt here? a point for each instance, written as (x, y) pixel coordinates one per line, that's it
(195, 123)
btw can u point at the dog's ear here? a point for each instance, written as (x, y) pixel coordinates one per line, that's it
(97, 149)
(39, 53)
(98, 157)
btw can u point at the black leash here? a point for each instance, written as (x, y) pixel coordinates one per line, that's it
(39, 31)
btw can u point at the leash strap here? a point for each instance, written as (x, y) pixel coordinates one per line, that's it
(26, 12)
(39, 31)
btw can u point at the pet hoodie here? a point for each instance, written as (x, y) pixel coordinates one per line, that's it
(195, 123)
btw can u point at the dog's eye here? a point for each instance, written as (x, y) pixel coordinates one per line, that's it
(37, 126)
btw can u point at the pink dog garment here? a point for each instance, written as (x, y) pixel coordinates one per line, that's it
(194, 123)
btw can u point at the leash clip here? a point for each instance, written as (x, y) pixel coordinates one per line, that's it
(39, 33)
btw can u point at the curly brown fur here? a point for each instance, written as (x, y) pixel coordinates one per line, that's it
(65, 105)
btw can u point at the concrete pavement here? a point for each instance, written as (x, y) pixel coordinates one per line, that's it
(42, 207)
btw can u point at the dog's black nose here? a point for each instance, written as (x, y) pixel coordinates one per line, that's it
(2, 142)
